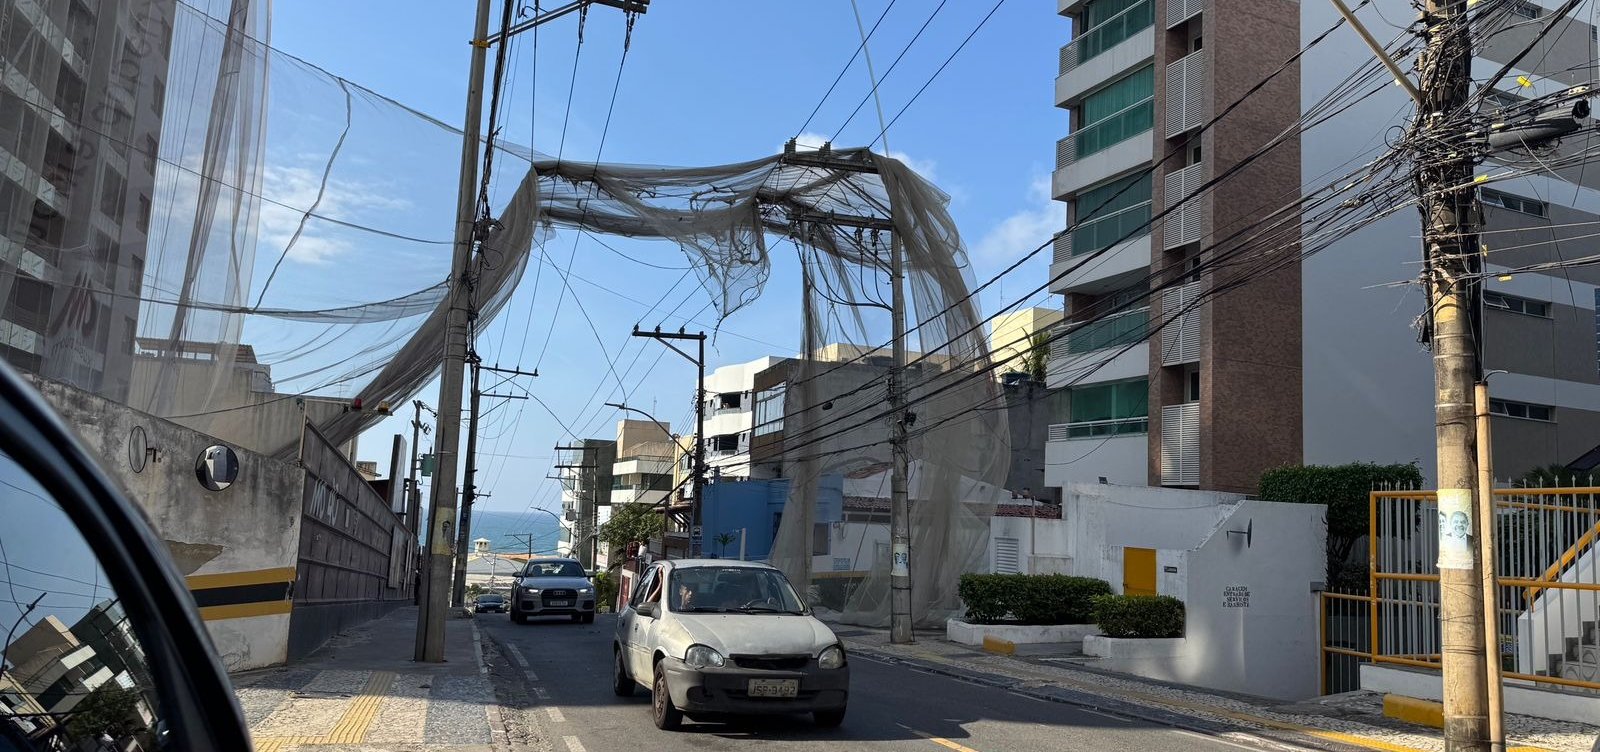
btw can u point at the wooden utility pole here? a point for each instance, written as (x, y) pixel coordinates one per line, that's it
(1448, 200)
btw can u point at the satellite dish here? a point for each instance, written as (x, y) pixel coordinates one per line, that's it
(138, 449)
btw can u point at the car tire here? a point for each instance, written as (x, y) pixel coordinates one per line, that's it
(517, 618)
(621, 684)
(828, 718)
(666, 715)
(588, 618)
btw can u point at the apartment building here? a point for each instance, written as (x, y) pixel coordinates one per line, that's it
(1318, 362)
(80, 123)
(730, 415)
(584, 470)
(1011, 338)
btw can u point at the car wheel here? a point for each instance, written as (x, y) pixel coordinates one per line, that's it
(621, 683)
(828, 718)
(667, 716)
(517, 618)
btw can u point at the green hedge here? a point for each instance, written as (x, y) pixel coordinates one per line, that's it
(1139, 615)
(1029, 598)
(1344, 490)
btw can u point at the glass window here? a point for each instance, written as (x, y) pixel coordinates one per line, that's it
(553, 569)
(1122, 407)
(1117, 113)
(1515, 304)
(1514, 202)
(769, 410)
(1523, 410)
(1111, 331)
(710, 589)
(1107, 23)
(73, 673)
(1108, 214)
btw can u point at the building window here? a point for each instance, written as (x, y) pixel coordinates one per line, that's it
(1524, 410)
(769, 410)
(1117, 112)
(1515, 304)
(1110, 213)
(1503, 99)
(1524, 9)
(1109, 409)
(1107, 23)
(144, 213)
(158, 98)
(111, 194)
(730, 400)
(135, 274)
(1514, 202)
(152, 148)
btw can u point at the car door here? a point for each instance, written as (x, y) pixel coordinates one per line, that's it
(101, 638)
(635, 642)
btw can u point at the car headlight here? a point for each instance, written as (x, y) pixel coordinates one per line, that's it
(831, 657)
(585, 590)
(703, 656)
(531, 590)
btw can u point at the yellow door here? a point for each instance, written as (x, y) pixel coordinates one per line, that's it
(1138, 571)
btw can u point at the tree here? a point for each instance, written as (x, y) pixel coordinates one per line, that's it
(1345, 490)
(109, 708)
(631, 523)
(1036, 360)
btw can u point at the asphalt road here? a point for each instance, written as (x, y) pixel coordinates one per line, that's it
(892, 707)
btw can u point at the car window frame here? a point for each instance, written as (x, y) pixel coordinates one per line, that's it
(195, 697)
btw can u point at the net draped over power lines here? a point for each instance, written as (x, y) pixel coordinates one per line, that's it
(273, 242)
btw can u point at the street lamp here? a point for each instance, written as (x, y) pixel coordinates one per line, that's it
(623, 407)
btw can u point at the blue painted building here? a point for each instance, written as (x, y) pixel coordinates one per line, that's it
(756, 508)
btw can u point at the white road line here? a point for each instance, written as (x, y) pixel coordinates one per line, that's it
(531, 676)
(517, 656)
(1218, 740)
(573, 744)
(544, 694)
(1031, 697)
(555, 714)
(1118, 719)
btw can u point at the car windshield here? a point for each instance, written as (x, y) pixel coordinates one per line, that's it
(489, 599)
(553, 569)
(712, 589)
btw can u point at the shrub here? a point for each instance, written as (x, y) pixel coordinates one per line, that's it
(1145, 616)
(1029, 598)
(1344, 490)
(605, 591)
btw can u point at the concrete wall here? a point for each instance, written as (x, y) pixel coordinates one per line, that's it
(248, 530)
(1041, 542)
(1102, 519)
(355, 556)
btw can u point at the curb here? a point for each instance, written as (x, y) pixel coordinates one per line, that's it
(1413, 710)
(1098, 703)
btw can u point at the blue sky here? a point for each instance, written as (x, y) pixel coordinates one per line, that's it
(706, 83)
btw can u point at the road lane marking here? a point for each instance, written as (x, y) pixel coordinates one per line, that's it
(555, 714)
(477, 650)
(517, 656)
(544, 694)
(1118, 719)
(1217, 739)
(941, 741)
(573, 744)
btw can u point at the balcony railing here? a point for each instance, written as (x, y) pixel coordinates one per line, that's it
(1180, 444)
(1113, 31)
(1101, 334)
(1089, 429)
(1110, 229)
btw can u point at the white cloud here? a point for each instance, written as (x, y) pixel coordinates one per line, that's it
(297, 187)
(924, 167)
(1024, 230)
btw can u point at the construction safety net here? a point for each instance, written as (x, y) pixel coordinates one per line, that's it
(213, 232)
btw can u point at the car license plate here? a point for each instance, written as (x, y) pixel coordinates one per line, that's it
(559, 603)
(774, 687)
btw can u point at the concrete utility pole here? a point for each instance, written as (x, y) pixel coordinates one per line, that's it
(1448, 199)
(699, 477)
(413, 492)
(899, 505)
(442, 505)
(469, 488)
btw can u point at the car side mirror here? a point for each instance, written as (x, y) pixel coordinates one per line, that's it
(648, 608)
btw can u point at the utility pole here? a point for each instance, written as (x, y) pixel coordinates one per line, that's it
(697, 480)
(442, 503)
(527, 537)
(413, 492)
(469, 488)
(1448, 200)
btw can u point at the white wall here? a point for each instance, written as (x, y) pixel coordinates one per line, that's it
(1102, 519)
(1118, 459)
(1044, 538)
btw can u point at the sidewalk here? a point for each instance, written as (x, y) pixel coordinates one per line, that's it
(1344, 722)
(363, 693)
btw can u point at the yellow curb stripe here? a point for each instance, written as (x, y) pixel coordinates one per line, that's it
(941, 741)
(998, 646)
(357, 720)
(245, 610)
(233, 579)
(1413, 710)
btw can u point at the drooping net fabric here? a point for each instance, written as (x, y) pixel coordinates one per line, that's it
(281, 246)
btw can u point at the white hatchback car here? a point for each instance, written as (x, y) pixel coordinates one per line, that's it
(711, 637)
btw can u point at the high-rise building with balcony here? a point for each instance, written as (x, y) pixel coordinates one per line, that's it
(1317, 362)
(81, 106)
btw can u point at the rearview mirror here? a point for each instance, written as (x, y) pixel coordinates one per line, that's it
(647, 609)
